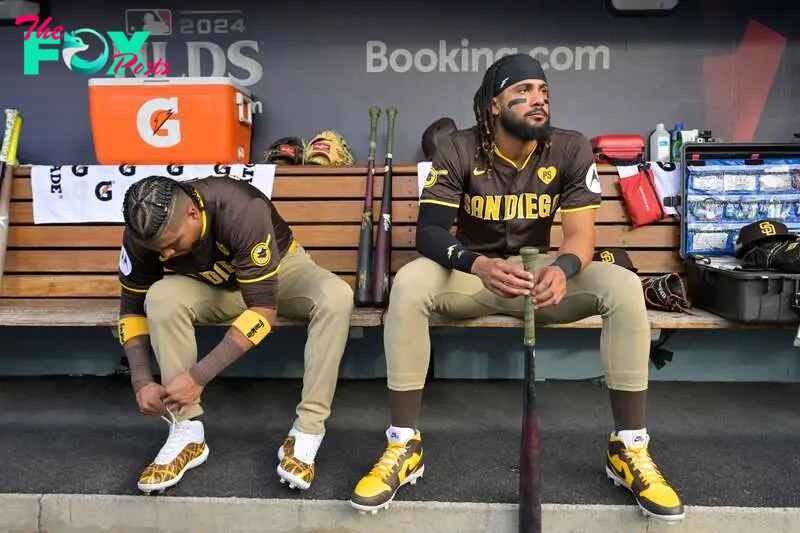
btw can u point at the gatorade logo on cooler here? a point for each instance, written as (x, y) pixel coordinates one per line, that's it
(157, 124)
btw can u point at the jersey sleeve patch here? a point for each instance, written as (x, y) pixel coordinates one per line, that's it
(125, 265)
(593, 179)
(260, 253)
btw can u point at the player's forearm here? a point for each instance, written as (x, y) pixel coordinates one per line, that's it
(138, 353)
(248, 330)
(435, 241)
(134, 336)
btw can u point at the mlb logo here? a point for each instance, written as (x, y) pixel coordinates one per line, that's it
(156, 21)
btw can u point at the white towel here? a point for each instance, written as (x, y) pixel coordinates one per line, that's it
(93, 193)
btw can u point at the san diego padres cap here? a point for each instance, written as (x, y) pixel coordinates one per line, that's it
(761, 231)
(617, 256)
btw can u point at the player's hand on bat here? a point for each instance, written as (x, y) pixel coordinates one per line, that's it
(151, 399)
(502, 277)
(550, 287)
(182, 392)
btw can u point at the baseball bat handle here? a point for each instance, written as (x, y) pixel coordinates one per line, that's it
(391, 114)
(374, 115)
(529, 256)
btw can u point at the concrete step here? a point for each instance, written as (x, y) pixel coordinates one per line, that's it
(79, 513)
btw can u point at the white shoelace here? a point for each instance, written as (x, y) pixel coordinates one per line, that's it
(176, 441)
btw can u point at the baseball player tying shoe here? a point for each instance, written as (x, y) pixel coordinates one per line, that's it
(504, 179)
(234, 258)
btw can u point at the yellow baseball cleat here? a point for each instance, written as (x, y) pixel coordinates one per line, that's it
(400, 464)
(634, 469)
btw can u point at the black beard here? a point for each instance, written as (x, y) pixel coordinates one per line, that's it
(523, 130)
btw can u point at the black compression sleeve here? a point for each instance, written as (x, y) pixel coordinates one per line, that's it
(435, 242)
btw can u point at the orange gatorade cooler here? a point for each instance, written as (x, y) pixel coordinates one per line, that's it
(162, 120)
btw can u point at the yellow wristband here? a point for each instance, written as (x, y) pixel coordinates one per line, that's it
(252, 325)
(130, 327)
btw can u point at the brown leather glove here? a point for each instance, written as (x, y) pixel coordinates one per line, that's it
(666, 293)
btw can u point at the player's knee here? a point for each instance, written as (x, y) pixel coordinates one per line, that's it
(337, 296)
(626, 288)
(411, 283)
(162, 303)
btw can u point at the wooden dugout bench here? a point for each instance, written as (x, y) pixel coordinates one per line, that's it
(65, 275)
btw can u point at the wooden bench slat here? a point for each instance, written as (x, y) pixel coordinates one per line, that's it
(356, 170)
(105, 261)
(349, 211)
(324, 236)
(404, 185)
(339, 187)
(71, 285)
(105, 312)
(294, 212)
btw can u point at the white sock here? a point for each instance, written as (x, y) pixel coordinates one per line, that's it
(195, 430)
(399, 435)
(305, 445)
(634, 438)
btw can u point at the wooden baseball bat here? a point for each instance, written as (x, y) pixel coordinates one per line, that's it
(8, 161)
(363, 290)
(530, 493)
(383, 239)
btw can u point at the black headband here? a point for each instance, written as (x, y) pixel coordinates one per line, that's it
(515, 68)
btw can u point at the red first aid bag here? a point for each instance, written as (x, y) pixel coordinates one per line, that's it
(640, 195)
(626, 149)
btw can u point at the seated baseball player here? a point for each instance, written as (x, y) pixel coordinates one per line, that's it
(233, 258)
(503, 180)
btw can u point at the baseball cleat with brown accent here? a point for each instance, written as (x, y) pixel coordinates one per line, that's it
(292, 470)
(184, 449)
(296, 458)
(400, 464)
(296, 473)
(634, 469)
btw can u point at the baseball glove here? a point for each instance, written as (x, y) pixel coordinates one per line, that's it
(780, 256)
(328, 148)
(285, 151)
(666, 293)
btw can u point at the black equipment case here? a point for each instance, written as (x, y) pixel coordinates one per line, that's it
(726, 186)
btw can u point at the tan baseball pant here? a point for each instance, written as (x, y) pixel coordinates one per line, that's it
(306, 291)
(422, 287)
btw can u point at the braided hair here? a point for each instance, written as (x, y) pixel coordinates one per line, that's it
(482, 106)
(150, 204)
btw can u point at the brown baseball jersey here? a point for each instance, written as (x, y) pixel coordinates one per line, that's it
(242, 242)
(500, 212)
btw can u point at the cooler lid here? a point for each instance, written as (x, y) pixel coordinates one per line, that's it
(166, 80)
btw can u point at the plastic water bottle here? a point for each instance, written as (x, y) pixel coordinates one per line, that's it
(659, 144)
(675, 147)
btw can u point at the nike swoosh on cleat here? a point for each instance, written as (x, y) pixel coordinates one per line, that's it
(619, 471)
(478, 171)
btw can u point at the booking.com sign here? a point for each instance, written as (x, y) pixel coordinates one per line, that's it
(127, 57)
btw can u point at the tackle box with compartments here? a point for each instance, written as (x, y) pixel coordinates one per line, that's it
(724, 187)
